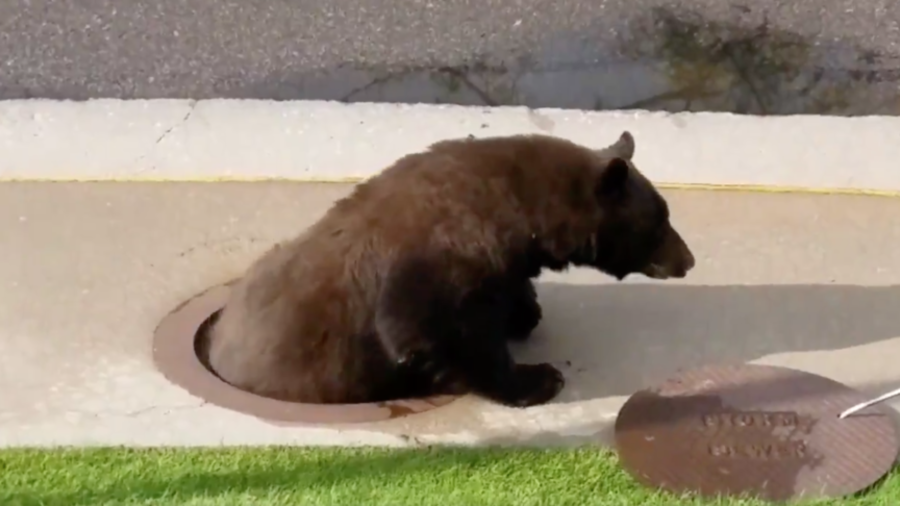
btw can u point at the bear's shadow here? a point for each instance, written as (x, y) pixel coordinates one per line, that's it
(614, 339)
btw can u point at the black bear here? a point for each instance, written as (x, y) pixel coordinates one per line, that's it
(413, 284)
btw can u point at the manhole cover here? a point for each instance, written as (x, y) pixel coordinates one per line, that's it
(176, 344)
(753, 430)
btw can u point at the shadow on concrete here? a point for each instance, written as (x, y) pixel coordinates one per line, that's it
(601, 433)
(614, 339)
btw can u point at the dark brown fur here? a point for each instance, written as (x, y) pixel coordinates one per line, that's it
(413, 284)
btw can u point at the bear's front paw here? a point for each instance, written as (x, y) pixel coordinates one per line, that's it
(535, 384)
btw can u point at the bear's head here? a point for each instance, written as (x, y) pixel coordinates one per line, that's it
(634, 228)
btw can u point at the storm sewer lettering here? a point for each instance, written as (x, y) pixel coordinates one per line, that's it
(768, 451)
(750, 419)
(770, 448)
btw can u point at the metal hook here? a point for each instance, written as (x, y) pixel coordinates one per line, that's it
(872, 402)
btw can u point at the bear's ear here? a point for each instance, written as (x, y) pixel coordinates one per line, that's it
(612, 178)
(623, 148)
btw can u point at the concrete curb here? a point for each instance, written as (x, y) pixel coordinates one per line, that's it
(215, 140)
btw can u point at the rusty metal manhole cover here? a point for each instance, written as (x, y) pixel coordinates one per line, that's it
(753, 430)
(179, 337)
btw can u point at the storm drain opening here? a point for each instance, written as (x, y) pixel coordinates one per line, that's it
(180, 341)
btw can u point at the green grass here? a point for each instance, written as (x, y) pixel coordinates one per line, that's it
(353, 477)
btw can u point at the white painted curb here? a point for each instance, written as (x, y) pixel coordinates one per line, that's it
(314, 140)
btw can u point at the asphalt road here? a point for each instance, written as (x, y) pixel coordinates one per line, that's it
(341, 49)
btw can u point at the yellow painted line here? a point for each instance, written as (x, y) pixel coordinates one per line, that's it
(357, 179)
(780, 189)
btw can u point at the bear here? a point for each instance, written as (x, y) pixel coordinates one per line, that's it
(413, 284)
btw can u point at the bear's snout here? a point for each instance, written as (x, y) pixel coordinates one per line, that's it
(673, 258)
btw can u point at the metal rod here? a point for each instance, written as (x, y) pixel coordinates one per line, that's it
(864, 405)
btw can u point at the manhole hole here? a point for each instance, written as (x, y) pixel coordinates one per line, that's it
(762, 431)
(175, 352)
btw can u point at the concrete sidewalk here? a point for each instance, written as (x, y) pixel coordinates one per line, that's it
(88, 270)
